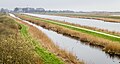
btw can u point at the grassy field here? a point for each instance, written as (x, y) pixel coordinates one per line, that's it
(18, 47)
(110, 44)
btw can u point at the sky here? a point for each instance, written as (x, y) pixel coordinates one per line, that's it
(75, 5)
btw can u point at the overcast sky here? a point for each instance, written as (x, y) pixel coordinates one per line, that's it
(78, 5)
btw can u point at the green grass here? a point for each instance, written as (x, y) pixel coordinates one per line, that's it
(77, 29)
(13, 48)
(18, 47)
(85, 31)
(47, 57)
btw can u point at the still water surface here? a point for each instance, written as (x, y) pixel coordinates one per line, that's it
(87, 53)
(85, 22)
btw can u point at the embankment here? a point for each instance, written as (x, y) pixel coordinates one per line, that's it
(109, 45)
(67, 57)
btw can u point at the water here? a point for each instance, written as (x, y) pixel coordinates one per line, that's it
(85, 22)
(89, 54)
(115, 15)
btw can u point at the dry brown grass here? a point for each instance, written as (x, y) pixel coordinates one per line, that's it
(47, 43)
(13, 48)
(92, 28)
(89, 17)
(114, 47)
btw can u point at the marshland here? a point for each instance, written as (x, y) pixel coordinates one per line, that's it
(107, 45)
(44, 40)
(104, 17)
(60, 32)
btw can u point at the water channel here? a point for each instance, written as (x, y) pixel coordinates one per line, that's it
(87, 53)
(85, 22)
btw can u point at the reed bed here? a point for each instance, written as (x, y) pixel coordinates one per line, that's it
(105, 18)
(108, 46)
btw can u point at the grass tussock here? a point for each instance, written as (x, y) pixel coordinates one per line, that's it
(106, 44)
(67, 57)
(13, 48)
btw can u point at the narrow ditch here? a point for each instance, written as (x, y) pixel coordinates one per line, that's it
(85, 52)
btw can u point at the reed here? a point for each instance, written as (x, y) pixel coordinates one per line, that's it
(105, 43)
(48, 44)
(13, 48)
(103, 17)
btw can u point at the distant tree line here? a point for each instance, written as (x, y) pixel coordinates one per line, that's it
(32, 10)
(60, 11)
(4, 10)
(39, 10)
(29, 10)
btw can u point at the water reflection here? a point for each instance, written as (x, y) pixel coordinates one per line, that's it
(83, 51)
(85, 22)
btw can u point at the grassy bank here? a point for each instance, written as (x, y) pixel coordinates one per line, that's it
(91, 28)
(48, 44)
(85, 31)
(110, 44)
(86, 27)
(47, 57)
(13, 48)
(91, 16)
(18, 47)
(81, 29)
